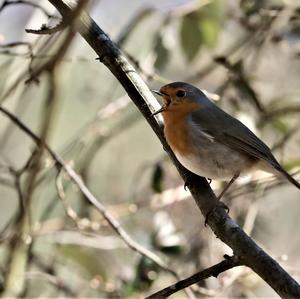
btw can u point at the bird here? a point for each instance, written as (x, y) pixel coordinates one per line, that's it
(210, 142)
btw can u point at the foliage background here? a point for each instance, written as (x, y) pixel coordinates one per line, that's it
(244, 52)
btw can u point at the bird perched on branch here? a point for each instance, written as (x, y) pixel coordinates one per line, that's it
(208, 141)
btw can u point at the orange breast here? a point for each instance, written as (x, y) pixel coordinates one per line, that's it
(176, 128)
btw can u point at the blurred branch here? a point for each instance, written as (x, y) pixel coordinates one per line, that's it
(29, 53)
(265, 184)
(49, 273)
(84, 239)
(149, 75)
(6, 3)
(69, 21)
(210, 67)
(241, 82)
(14, 284)
(17, 176)
(131, 25)
(56, 281)
(17, 44)
(65, 22)
(285, 111)
(47, 30)
(224, 227)
(124, 35)
(214, 271)
(283, 141)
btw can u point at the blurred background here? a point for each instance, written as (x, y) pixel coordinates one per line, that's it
(245, 53)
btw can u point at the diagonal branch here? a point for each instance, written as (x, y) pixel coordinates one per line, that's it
(213, 271)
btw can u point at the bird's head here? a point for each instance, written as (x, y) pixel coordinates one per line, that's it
(181, 97)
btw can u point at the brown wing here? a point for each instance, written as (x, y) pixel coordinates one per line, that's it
(231, 132)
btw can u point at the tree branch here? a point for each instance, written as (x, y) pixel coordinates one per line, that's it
(228, 263)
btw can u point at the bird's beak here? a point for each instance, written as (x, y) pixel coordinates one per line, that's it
(157, 92)
(163, 108)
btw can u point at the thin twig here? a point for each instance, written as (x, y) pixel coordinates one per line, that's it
(49, 30)
(49, 273)
(280, 112)
(213, 271)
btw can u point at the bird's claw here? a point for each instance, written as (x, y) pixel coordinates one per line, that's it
(192, 179)
(186, 184)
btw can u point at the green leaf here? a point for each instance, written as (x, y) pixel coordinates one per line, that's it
(190, 35)
(201, 28)
(209, 31)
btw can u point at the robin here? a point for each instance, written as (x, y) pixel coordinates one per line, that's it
(208, 141)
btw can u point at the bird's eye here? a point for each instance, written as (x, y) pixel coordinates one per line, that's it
(180, 93)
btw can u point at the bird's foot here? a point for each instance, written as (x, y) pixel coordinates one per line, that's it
(219, 204)
(186, 185)
(190, 180)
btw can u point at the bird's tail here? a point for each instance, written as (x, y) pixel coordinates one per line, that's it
(288, 176)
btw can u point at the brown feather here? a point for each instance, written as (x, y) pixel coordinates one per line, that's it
(176, 130)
